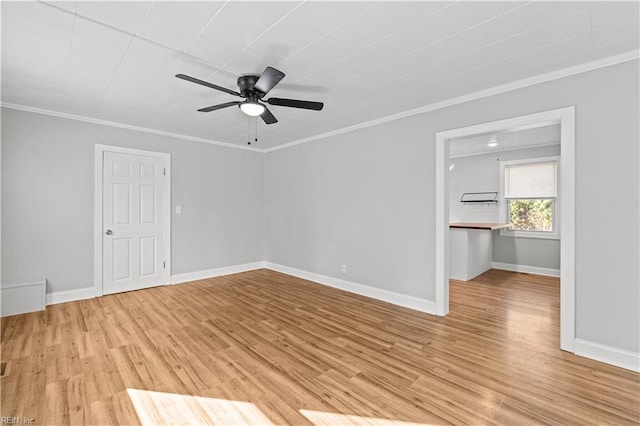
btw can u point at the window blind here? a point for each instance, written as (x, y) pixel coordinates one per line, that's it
(531, 180)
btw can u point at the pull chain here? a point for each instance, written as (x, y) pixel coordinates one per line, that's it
(248, 130)
(255, 128)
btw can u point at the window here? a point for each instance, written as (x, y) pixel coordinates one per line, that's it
(529, 189)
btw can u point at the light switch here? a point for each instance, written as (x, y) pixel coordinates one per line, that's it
(178, 209)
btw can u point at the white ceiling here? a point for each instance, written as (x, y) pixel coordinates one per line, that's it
(365, 60)
(508, 139)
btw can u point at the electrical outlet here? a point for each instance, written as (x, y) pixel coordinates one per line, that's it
(178, 209)
(343, 269)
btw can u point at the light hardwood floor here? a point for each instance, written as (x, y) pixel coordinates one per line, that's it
(262, 347)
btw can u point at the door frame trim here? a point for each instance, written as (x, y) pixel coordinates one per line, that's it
(566, 117)
(100, 149)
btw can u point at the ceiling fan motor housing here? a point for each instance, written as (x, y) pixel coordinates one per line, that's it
(246, 84)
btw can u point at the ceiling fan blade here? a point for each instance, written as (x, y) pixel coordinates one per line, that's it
(267, 117)
(294, 103)
(220, 106)
(205, 83)
(267, 81)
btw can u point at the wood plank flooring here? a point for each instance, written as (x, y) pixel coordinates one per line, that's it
(266, 348)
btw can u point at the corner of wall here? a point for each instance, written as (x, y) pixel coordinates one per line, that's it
(264, 205)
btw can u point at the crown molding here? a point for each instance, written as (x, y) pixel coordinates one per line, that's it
(123, 126)
(496, 90)
(520, 84)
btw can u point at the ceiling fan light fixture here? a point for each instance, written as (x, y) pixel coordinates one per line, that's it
(493, 142)
(252, 109)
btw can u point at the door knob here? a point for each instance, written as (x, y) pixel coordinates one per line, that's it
(108, 232)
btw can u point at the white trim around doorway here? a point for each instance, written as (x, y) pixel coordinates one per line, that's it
(566, 118)
(97, 217)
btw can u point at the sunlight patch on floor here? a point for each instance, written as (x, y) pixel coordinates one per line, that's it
(323, 418)
(155, 408)
(527, 322)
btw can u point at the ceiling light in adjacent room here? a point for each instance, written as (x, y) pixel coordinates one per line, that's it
(252, 109)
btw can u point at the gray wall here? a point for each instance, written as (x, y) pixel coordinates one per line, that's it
(481, 173)
(354, 199)
(47, 199)
(366, 198)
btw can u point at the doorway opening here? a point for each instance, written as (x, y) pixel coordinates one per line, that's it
(565, 119)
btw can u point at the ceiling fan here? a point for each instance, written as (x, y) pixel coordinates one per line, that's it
(253, 88)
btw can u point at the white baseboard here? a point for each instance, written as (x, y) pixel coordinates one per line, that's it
(527, 269)
(71, 295)
(216, 272)
(411, 302)
(608, 354)
(90, 292)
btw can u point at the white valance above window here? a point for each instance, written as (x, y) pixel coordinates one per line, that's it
(531, 180)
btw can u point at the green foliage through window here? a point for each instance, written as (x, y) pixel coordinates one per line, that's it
(531, 214)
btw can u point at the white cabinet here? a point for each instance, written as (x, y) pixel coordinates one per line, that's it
(471, 248)
(471, 252)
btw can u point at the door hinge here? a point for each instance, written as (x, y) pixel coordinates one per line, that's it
(164, 265)
(164, 172)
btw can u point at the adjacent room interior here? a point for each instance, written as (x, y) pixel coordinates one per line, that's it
(508, 180)
(320, 212)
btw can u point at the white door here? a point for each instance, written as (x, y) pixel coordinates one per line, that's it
(134, 222)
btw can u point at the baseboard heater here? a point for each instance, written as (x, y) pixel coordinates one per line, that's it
(22, 297)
